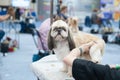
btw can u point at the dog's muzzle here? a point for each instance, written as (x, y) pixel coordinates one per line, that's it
(59, 31)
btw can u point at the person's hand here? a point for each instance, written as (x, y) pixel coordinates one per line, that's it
(112, 66)
(76, 53)
(86, 47)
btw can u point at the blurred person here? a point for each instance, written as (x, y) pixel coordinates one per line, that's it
(17, 14)
(10, 12)
(63, 13)
(94, 17)
(27, 26)
(25, 13)
(43, 31)
(87, 70)
(58, 6)
(106, 16)
(87, 21)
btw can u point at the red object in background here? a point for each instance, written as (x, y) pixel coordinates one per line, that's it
(41, 17)
(11, 49)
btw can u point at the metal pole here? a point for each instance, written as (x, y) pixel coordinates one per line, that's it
(58, 6)
(51, 11)
(119, 22)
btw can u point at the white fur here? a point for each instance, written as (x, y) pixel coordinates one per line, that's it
(61, 50)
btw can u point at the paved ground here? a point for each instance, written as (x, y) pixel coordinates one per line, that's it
(112, 54)
(16, 65)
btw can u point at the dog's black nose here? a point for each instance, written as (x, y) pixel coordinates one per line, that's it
(59, 31)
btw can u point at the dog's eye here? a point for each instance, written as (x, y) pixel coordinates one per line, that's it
(63, 28)
(55, 29)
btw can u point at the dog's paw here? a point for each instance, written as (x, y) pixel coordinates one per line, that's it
(69, 74)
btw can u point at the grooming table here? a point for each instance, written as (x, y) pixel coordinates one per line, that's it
(48, 68)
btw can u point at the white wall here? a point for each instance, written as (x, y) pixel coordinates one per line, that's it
(5, 2)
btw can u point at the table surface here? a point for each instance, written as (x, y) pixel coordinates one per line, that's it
(48, 68)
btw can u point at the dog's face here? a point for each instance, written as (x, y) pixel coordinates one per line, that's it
(59, 30)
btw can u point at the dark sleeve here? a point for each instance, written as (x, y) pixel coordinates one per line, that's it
(87, 70)
(106, 72)
(81, 71)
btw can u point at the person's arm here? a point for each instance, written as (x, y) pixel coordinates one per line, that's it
(4, 17)
(72, 56)
(77, 52)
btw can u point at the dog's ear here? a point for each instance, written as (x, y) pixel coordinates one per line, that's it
(75, 22)
(56, 17)
(50, 40)
(70, 40)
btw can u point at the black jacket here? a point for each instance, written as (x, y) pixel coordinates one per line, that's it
(87, 70)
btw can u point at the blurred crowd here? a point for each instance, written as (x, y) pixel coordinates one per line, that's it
(24, 17)
(101, 18)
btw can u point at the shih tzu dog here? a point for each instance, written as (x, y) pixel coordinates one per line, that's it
(62, 41)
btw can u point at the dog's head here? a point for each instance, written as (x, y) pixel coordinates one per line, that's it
(73, 21)
(73, 24)
(60, 32)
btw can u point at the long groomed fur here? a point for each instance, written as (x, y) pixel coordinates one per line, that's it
(51, 43)
(71, 41)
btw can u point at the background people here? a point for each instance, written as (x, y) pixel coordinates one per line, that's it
(10, 13)
(63, 12)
